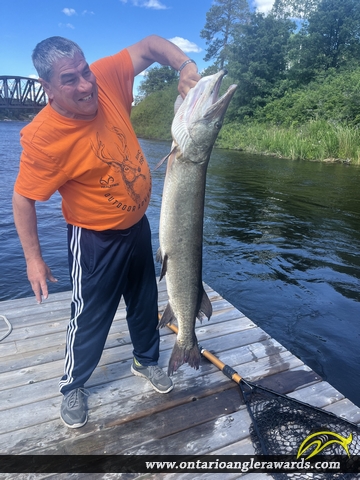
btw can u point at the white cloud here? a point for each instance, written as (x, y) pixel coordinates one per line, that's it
(154, 4)
(263, 6)
(185, 45)
(69, 11)
(88, 12)
(67, 25)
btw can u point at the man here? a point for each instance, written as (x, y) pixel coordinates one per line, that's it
(83, 145)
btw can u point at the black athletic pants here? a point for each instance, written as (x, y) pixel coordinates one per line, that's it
(103, 267)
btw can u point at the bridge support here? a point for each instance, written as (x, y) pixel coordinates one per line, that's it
(21, 93)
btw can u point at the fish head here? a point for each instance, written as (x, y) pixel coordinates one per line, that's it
(199, 117)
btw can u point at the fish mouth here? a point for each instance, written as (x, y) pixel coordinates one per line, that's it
(215, 105)
(204, 100)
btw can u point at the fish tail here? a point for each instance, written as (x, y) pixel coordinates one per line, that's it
(181, 355)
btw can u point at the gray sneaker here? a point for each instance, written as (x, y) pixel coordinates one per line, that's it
(158, 379)
(74, 409)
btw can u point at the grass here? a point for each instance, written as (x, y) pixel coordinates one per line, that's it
(317, 140)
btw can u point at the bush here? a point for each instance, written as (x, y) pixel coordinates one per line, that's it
(334, 98)
(152, 117)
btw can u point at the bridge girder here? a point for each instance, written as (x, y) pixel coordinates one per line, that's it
(21, 92)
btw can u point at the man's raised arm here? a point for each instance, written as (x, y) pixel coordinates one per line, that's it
(153, 49)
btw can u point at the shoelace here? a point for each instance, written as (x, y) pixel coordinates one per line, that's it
(74, 397)
(155, 371)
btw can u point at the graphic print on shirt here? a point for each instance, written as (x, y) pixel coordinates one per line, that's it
(118, 157)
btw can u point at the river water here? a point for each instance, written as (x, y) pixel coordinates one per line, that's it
(281, 243)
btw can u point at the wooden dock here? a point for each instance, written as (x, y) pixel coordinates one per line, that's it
(204, 414)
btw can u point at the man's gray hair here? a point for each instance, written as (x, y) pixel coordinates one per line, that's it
(50, 50)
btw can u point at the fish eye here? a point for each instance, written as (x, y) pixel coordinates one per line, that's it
(218, 125)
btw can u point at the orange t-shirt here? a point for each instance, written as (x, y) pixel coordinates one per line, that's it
(97, 166)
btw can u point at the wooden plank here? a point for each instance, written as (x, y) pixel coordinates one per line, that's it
(117, 349)
(112, 402)
(55, 346)
(37, 323)
(244, 446)
(204, 414)
(160, 425)
(136, 438)
(319, 393)
(122, 354)
(33, 338)
(110, 405)
(119, 409)
(24, 302)
(289, 380)
(345, 409)
(26, 312)
(33, 330)
(200, 439)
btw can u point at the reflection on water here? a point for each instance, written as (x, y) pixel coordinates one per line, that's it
(281, 243)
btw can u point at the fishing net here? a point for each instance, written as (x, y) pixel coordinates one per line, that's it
(285, 426)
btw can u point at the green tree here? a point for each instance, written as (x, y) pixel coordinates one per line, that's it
(300, 9)
(221, 20)
(330, 39)
(259, 61)
(157, 78)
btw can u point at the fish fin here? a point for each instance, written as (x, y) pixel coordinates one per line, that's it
(158, 255)
(167, 317)
(166, 157)
(181, 355)
(159, 258)
(205, 309)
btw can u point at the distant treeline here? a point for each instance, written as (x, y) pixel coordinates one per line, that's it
(298, 81)
(20, 114)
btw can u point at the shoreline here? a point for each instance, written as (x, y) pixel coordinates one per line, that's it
(294, 143)
(316, 141)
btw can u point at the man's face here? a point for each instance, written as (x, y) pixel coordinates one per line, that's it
(72, 89)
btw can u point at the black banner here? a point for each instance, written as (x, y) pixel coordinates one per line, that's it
(176, 464)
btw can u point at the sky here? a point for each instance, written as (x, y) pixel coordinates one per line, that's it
(101, 27)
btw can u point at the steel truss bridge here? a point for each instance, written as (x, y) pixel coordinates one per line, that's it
(21, 93)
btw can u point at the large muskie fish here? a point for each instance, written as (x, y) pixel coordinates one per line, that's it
(195, 128)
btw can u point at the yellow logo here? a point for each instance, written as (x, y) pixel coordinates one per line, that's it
(322, 440)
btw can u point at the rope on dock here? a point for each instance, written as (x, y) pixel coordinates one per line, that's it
(9, 326)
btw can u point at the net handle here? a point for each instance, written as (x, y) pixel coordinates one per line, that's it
(226, 369)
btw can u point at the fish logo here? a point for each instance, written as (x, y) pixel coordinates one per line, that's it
(321, 441)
